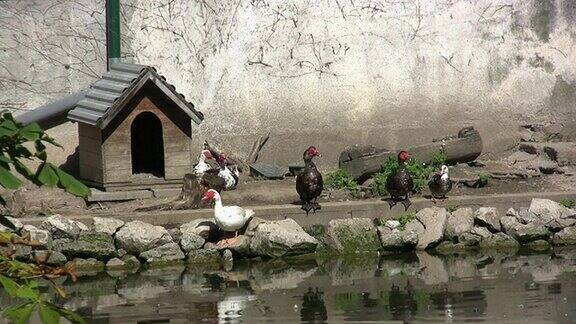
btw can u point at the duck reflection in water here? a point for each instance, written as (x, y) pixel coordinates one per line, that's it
(403, 305)
(313, 308)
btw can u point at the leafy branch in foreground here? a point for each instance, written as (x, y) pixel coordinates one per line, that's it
(18, 143)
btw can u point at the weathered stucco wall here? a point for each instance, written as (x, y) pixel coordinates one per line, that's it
(323, 72)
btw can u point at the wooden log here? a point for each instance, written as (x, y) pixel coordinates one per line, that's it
(361, 162)
(256, 148)
(232, 160)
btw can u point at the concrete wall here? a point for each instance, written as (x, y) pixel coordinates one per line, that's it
(322, 72)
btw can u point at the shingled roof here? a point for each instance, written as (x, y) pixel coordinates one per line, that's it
(107, 96)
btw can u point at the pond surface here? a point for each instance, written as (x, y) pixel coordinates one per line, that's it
(417, 287)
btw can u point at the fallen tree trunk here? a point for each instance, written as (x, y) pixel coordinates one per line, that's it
(361, 162)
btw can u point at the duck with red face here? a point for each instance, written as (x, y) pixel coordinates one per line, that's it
(202, 165)
(399, 184)
(228, 218)
(309, 183)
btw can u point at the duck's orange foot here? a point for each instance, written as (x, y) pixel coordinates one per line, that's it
(225, 243)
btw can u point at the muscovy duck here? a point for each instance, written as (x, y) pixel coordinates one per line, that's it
(228, 218)
(202, 165)
(399, 184)
(309, 183)
(230, 177)
(440, 184)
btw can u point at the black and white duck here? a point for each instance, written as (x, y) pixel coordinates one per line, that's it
(440, 184)
(309, 183)
(399, 184)
(230, 176)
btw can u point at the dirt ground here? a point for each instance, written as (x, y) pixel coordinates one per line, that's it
(505, 178)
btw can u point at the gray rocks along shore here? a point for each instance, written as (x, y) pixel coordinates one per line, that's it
(119, 245)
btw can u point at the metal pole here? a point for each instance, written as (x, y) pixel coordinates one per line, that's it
(112, 31)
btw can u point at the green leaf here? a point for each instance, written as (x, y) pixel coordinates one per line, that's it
(31, 132)
(48, 315)
(67, 314)
(8, 180)
(20, 314)
(5, 159)
(47, 175)
(50, 140)
(9, 285)
(70, 184)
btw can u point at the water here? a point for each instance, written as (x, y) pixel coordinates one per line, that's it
(417, 287)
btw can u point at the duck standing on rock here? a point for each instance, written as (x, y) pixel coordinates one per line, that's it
(309, 183)
(399, 184)
(440, 184)
(228, 218)
(230, 177)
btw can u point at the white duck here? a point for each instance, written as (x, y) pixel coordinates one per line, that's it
(230, 177)
(202, 166)
(228, 218)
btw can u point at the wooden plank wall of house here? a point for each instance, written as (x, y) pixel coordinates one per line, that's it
(176, 133)
(90, 146)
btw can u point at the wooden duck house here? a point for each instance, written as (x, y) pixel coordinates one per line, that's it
(134, 130)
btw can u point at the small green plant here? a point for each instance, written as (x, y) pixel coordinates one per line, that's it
(420, 172)
(452, 208)
(339, 179)
(438, 159)
(32, 301)
(404, 219)
(482, 180)
(568, 203)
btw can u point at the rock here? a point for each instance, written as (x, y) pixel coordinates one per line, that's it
(393, 240)
(353, 235)
(448, 247)
(55, 258)
(499, 241)
(167, 253)
(191, 241)
(281, 238)
(227, 256)
(202, 227)
(107, 225)
(434, 222)
(459, 222)
(240, 245)
(122, 253)
(137, 237)
(18, 251)
(127, 262)
(209, 246)
(392, 224)
(566, 236)
(16, 225)
(469, 239)
(252, 225)
(62, 227)
(562, 152)
(481, 232)
(38, 235)
(549, 213)
(204, 257)
(512, 212)
(89, 264)
(89, 245)
(538, 245)
(175, 233)
(523, 232)
(488, 217)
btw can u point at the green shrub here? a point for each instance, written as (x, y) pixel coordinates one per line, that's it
(568, 203)
(452, 208)
(339, 179)
(404, 219)
(420, 172)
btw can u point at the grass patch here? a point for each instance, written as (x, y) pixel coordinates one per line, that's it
(404, 219)
(420, 172)
(568, 203)
(339, 179)
(452, 208)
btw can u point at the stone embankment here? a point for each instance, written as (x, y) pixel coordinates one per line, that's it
(113, 244)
